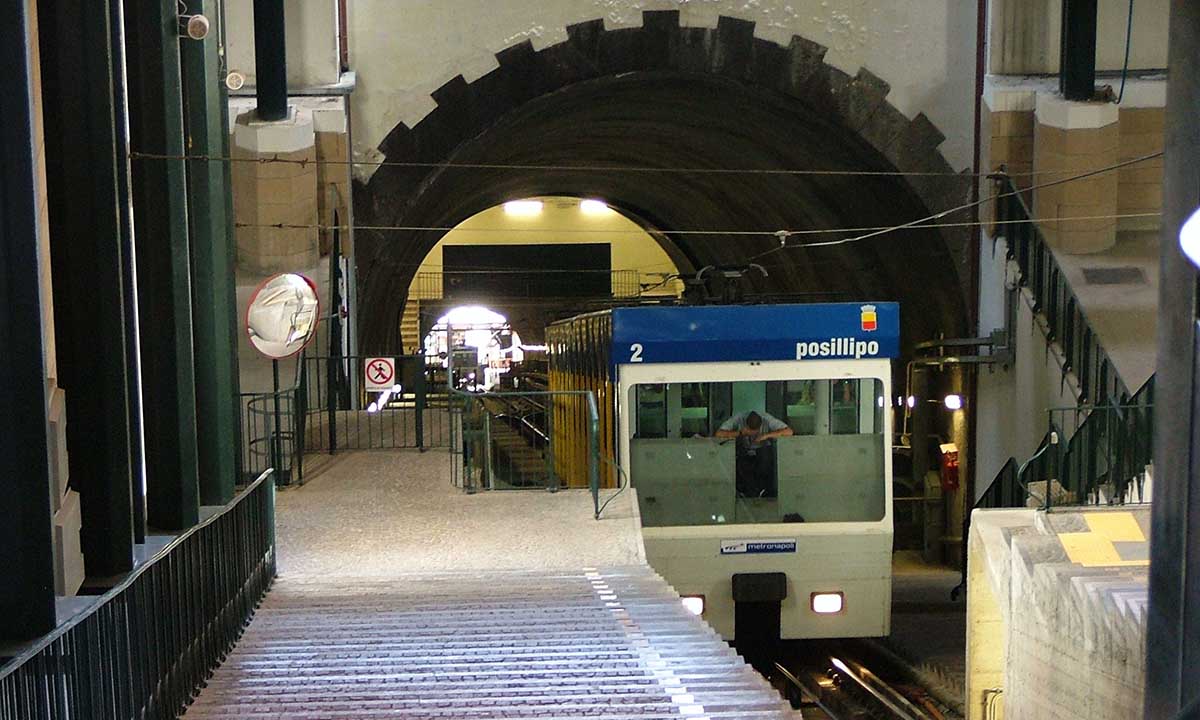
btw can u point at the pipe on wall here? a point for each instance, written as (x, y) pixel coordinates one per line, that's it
(270, 60)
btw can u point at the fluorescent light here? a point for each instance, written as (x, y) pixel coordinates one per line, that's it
(1189, 238)
(879, 401)
(693, 604)
(953, 402)
(594, 207)
(827, 603)
(523, 208)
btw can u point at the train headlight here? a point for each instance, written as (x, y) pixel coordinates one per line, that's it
(693, 604)
(827, 603)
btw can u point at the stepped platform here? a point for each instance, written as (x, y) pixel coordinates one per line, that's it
(597, 643)
(1056, 612)
(401, 597)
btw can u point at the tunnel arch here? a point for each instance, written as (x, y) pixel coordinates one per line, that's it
(666, 96)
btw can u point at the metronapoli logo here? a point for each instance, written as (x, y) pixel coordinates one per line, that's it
(870, 321)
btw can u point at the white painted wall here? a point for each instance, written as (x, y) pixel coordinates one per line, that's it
(1012, 402)
(312, 41)
(402, 50)
(1024, 35)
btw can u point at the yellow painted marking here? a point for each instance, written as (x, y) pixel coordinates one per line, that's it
(1115, 526)
(1091, 549)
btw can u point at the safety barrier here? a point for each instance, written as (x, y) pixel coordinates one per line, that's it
(341, 414)
(145, 647)
(1106, 458)
(507, 440)
(1066, 322)
(271, 424)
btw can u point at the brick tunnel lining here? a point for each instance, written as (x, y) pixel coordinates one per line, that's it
(545, 108)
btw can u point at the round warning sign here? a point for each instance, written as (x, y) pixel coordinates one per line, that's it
(380, 373)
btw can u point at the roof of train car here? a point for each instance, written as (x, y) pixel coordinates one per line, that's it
(714, 333)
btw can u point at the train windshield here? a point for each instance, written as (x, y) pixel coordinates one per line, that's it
(710, 453)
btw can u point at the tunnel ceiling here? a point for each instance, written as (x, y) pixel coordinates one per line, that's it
(737, 103)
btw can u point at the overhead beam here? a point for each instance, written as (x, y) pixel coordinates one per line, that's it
(26, 549)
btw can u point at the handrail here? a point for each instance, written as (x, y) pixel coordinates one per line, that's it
(143, 648)
(46, 640)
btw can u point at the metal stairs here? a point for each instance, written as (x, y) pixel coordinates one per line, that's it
(598, 643)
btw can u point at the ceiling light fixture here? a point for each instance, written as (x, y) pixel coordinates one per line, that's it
(523, 208)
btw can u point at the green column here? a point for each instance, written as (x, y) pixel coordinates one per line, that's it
(92, 271)
(214, 308)
(27, 603)
(164, 264)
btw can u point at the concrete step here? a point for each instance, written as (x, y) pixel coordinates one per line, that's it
(612, 643)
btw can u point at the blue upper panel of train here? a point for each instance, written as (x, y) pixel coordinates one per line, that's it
(716, 333)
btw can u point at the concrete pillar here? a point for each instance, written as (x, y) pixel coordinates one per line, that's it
(280, 194)
(1071, 138)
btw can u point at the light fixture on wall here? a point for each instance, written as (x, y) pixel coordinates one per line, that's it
(953, 402)
(235, 80)
(195, 27)
(1189, 238)
(594, 207)
(523, 208)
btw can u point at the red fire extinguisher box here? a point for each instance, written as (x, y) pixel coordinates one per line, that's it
(949, 467)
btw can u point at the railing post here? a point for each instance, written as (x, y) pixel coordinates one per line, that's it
(332, 389)
(419, 391)
(487, 450)
(276, 435)
(594, 451)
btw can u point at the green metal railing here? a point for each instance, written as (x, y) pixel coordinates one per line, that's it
(271, 424)
(146, 646)
(1105, 459)
(340, 414)
(507, 440)
(1066, 322)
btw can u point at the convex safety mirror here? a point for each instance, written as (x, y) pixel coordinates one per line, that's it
(283, 314)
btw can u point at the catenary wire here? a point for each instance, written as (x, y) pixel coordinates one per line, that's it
(652, 232)
(275, 159)
(924, 222)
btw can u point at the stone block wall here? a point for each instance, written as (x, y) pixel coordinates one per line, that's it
(1072, 139)
(1139, 187)
(1058, 600)
(333, 182)
(275, 201)
(1027, 128)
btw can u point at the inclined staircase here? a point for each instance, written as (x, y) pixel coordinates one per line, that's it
(597, 643)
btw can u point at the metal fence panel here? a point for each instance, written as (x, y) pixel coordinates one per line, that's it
(146, 647)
